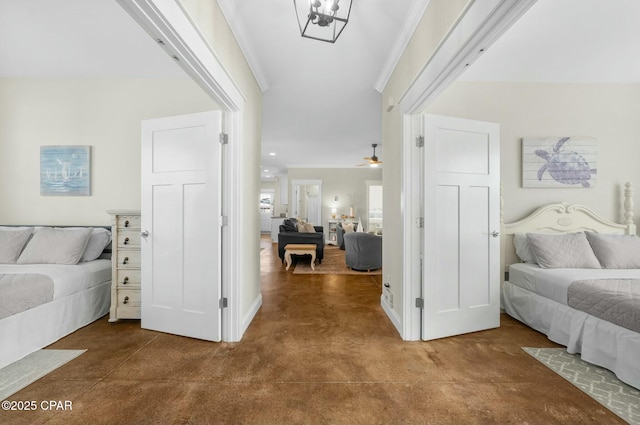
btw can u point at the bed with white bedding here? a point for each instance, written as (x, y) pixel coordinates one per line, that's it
(593, 310)
(52, 282)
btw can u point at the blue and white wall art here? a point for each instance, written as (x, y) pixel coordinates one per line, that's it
(65, 170)
(559, 162)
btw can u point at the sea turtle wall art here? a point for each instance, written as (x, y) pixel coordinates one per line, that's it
(559, 162)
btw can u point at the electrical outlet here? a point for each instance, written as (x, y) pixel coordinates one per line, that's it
(388, 297)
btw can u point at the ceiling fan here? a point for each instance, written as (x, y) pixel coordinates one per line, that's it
(373, 159)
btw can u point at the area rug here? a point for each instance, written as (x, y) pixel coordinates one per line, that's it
(29, 369)
(332, 263)
(599, 383)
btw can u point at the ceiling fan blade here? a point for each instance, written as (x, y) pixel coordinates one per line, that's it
(362, 165)
(367, 158)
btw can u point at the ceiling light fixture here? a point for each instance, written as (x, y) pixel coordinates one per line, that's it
(322, 20)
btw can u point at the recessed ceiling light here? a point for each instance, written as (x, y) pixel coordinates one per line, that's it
(272, 154)
(266, 171)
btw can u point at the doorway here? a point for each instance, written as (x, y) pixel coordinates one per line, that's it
(306, 200)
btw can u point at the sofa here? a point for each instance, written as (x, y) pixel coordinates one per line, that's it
(288, 233)
(363, 251)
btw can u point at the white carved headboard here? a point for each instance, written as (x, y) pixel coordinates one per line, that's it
(562, 218)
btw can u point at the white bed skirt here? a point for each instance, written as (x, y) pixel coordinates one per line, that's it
(33, 329)
(599, 342)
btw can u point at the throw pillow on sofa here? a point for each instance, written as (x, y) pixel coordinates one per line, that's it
(306, 227)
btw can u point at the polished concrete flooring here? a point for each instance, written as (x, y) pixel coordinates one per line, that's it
(320, 351)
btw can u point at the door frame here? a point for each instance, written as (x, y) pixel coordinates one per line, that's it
(295, 197)
(165, 20)
(479, 26)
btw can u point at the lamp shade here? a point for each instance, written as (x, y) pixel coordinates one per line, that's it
(322, 20)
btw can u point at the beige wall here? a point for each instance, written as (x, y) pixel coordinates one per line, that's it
(608, 112)
(208, 18)
(436, 22)
(348, 184)
(102, 113)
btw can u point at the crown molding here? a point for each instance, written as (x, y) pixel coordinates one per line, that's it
(414, 15)
(230, 12)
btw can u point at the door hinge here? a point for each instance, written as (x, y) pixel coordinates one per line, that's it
(223, 302)
(419, 141)
(224, 138)
(420, 222)
(420, 302)
(223, 221)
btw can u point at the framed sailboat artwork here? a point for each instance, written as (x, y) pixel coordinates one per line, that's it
(65, 170)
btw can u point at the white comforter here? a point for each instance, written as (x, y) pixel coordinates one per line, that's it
(67, 279)
(553, 283)
(538, 297)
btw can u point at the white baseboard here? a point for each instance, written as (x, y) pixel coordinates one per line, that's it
(393, 316)
(253, 310)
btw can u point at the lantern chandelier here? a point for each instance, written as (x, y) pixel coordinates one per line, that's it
(322, 20)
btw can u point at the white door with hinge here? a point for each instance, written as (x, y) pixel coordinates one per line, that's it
(181, 207)
(461, 244)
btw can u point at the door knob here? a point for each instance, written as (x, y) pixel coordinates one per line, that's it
(495, 234)
(144, 233)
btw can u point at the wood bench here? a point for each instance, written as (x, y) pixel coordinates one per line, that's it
(299, 249)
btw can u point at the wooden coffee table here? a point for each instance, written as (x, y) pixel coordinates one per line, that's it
(299, 249)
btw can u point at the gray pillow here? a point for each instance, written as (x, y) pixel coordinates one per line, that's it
(98, 241)
(565, 250)
(12, 240)
(616, 251)
(54, 245)
(523, 249)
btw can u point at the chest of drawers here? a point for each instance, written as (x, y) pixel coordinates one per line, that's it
(125, 265)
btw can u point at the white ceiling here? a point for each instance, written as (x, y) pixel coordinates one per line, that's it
(77, 39)
(567, 41)
(320, 105)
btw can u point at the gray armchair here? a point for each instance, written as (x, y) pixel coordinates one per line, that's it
(363, 251)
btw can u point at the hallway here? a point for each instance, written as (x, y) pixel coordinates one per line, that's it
(320, 351)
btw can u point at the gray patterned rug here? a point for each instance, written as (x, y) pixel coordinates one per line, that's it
(599, 383)
(29, 369)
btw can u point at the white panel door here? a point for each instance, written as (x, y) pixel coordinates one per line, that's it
(461, 252)
(181, 205)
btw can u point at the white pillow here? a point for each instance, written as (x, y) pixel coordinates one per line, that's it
(348, 227)
(98, 241)
(616, 251)
(523, 249)
(12, 240)
(304, 227)
(56, 245)
(564, 250)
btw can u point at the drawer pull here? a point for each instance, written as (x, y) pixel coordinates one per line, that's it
(126, 300)
(126, 260)
(126, 223)
(126, 241)
(126, 280)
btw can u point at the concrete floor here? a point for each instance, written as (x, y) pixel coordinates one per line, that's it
(320, 351)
